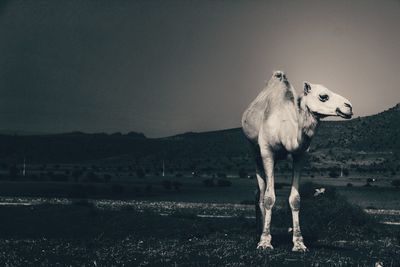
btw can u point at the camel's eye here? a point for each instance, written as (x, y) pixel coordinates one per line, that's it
(323, 98)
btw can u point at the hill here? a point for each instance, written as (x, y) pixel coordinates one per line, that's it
(369, 143)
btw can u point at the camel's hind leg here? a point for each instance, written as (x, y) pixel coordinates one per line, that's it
(294, 201)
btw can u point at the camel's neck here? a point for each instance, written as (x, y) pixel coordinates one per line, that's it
(308, 122)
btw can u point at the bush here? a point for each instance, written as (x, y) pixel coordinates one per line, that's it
(349, 185)
(148, 188)
(221, 175)
(167, 184)
(92, 177)
(242, 173)
(327, 216)
(107, 177)
(396, 183)
(83, 203)
(224, 183)
(281, 185)
(140, 173)
(13, 172)
(369, 180)
(117, 189)
(247, 202)
(346, 172)
(59, 177)
(333, 174)
(177, 185)
(82, 191)
(76, 174)
(208, 182)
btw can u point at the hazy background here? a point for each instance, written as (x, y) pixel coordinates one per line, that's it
(166, 67)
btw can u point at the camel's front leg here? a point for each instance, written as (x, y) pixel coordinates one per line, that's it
(268, 200)
(294, 201)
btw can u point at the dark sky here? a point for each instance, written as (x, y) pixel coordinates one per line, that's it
(167, 67)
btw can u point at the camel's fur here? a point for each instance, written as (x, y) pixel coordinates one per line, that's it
(278, 123)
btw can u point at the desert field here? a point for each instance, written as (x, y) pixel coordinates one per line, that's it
(146, 222)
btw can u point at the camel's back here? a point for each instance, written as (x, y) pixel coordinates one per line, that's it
(276, 98)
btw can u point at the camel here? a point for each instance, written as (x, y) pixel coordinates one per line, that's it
(278, 123)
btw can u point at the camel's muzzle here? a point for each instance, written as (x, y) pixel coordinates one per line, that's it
(344, 115)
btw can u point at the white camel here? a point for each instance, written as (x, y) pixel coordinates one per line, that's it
(278, 123)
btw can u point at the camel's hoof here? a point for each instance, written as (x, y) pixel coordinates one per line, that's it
(264, 245)
(299, 247)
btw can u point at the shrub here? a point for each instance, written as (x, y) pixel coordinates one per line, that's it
(107, 177)
(177, 185)
(92, 177)
(140, 173)
(76, 174)
(281, 185)
(327, 216)
(13, 172)
(396, 183)
(333, 174)
(82, 191)
(349, 185)
(83, 203)
(117, 189)
(208, 182)
(242, 173)
(148, 188)
(346, 172)
(224, 183)
(59, 177)
(167, 184)
(247, 202)
(221, 175)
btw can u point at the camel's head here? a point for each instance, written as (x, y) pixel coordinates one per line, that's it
(323, 102)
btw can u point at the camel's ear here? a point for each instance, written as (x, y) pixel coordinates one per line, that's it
(307, 88)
